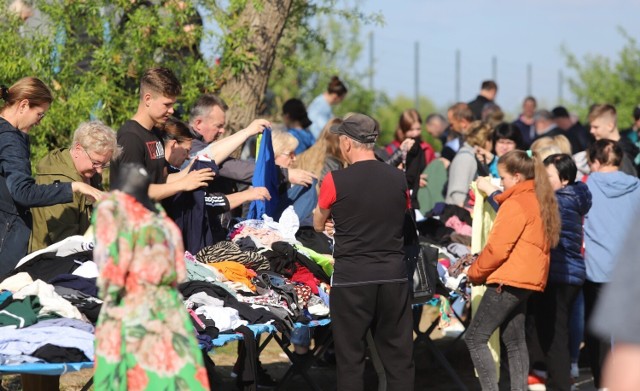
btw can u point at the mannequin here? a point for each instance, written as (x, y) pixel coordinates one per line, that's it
(140, 255)
(134, 180)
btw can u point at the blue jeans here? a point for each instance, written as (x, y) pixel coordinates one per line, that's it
(576, 327)
(502, 307)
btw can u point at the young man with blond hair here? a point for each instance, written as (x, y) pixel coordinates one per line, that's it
(604, 126)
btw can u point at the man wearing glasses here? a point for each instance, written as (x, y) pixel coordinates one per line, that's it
(93, 146)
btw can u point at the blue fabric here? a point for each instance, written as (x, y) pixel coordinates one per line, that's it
(567, 263)
(320, 113)
(257, 329)
(4, 296)
(265, 175)
(314, 323)
(615, 196)
(301, 336)
(46, 368)
(305, 139)
(303, 199)
(493, 167)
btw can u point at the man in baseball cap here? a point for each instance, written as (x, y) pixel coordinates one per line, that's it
(358, 127)
(367, 202)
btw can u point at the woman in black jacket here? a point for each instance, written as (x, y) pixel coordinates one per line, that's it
(25, 104)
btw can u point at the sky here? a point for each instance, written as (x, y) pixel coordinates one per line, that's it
(516, 32)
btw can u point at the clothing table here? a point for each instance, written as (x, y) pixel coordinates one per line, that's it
(48, 369)
(299, 365)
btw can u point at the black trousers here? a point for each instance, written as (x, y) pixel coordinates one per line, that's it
(385, 309)
(552, 323)
(597, 349)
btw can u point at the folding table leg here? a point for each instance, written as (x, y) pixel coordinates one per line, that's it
(88, 385)
(425, 337)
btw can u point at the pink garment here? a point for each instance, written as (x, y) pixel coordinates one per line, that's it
(266, 236)
(458, 226)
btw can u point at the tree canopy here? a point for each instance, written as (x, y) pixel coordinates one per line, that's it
(92, 54)
(601, 80)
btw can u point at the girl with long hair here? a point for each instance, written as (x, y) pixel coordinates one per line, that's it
(410, 127)
(513, 264)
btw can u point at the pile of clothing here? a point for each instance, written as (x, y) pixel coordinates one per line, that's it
(49, 305)
(261, 276)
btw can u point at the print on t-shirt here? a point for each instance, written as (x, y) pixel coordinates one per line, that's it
(156, 151)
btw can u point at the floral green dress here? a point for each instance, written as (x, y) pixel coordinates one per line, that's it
(144, 337)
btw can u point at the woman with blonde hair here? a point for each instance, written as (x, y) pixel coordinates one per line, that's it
(547, 146)
(324, 156)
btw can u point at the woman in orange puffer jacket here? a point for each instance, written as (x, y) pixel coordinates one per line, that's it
(513, 264)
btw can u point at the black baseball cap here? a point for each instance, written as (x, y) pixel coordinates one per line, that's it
(359, 127)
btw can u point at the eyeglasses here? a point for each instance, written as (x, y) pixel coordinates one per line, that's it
(94, 163)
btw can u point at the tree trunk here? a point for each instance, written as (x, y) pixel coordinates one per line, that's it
(244, 92)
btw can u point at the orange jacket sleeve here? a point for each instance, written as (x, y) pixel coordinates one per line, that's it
(506, 231)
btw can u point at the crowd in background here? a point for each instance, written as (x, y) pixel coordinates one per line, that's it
(570, 188)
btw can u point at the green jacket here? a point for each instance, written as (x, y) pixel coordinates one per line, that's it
(54, 223)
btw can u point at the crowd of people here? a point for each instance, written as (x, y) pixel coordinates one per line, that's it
(562, 191)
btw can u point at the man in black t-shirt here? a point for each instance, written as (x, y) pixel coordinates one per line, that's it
(367, 202)
(159, 89)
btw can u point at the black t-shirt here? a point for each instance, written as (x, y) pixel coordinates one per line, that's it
(368, 201)
(140, 145)
(630, 151)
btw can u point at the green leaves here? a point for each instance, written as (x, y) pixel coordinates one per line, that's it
(599, 80)
(92, 53)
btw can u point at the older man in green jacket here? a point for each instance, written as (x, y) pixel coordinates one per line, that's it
(93, 146)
